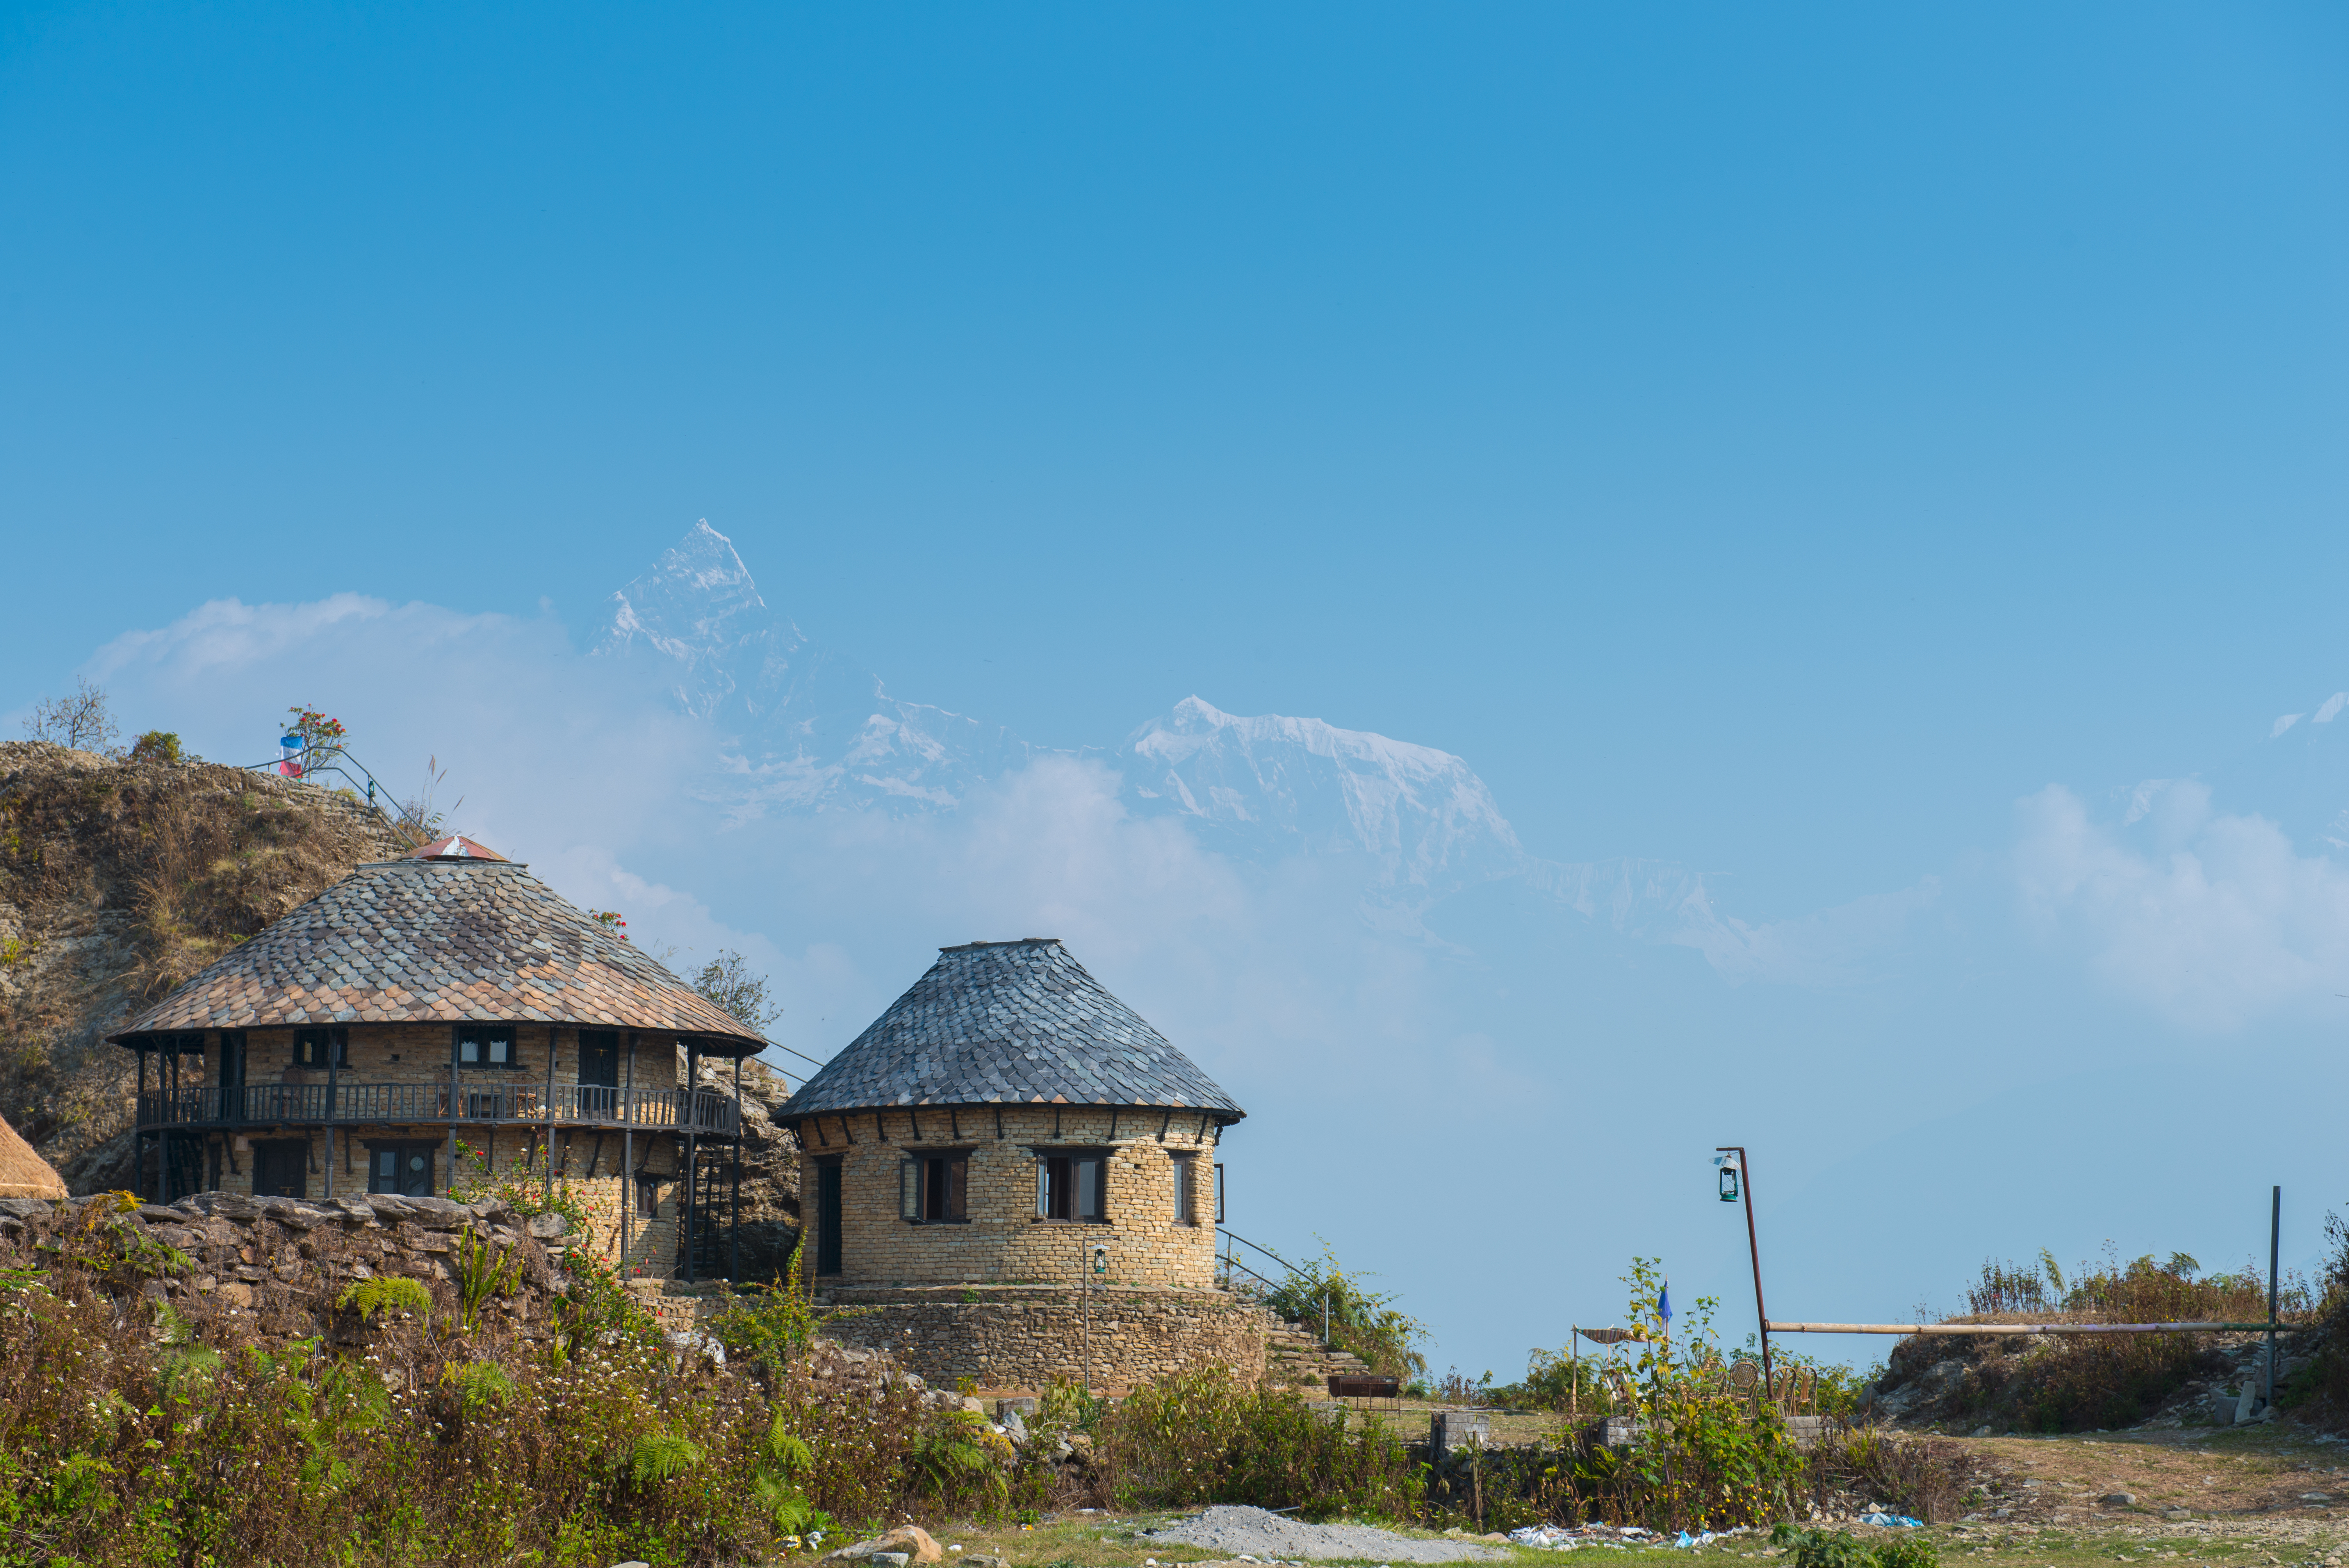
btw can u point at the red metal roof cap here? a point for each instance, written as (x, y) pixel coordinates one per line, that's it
(455, 846)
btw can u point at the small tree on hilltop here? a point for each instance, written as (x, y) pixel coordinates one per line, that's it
(79, 720)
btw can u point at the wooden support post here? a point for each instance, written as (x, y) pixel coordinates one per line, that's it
(693, 1151)
(453, 1031)
(734, 1243)
(139, 1133)
(627, 1151)
(549, 1108)
(334, 1038)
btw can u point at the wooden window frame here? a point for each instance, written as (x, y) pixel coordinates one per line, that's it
(1048, 1185)
(1187, 1189)
(486, 1035)
(934, 1187)
(429, 1148)
(316, 1048)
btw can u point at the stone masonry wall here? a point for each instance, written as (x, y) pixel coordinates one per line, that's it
(1016, 1340)
(1004, 1241)
(275, 1268)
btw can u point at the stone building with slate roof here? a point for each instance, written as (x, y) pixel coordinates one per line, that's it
(1006, 1154)
(448, 1014)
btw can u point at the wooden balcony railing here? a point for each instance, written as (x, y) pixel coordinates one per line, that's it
(396, 1104)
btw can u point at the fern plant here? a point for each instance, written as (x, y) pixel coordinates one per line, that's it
(783, 1461)
(388, 1293)
(660, 1456)
(477, 1385)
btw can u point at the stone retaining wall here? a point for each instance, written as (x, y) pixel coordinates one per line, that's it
(1016, 1340)
(276, 1265)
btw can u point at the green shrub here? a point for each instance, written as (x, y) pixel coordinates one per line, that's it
(156, 746)
(1841, 1549)
(1200, 1437)
(482, 1271)
(388, 1293)
(1364, 1321)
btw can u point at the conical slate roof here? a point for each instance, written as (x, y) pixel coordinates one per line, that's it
(1009, 1023)
(438, 939)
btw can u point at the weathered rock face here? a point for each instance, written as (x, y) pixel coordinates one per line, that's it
(118, 881)
(276, 1266)
(1966, 1385)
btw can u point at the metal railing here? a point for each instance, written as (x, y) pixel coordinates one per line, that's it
(699, 1111)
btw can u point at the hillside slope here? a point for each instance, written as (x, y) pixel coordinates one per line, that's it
(118, 881)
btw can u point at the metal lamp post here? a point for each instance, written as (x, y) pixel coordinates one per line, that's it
(1737, 1185)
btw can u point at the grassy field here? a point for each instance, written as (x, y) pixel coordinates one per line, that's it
(2221, 1498)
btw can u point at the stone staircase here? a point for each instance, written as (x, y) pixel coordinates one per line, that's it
(1295, 1357)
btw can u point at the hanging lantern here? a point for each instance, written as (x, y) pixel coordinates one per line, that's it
(1728, 1178)
(1101, 1260)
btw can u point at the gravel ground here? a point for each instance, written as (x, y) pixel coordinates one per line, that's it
(1256, 1533)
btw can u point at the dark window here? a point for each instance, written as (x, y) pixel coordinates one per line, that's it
(311, 1048)
(935, 1189)
(1069, 1187)
(1184, 1214)
(599, 1057)
(648, 1196)
(827, 1217)
(402, 1169)
(486, 1045)
(281, 1168)
(1219, 1192)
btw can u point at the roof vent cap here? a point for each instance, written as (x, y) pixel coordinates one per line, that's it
(455, 846)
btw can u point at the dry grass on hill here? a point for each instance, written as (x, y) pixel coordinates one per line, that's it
(118, 879)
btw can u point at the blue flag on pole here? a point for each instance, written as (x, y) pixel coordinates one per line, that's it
(1664, 1303)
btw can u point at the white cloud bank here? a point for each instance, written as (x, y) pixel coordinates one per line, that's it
(2211, 920)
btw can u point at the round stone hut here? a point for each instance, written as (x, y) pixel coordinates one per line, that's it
(447, 1019)
(1016, 1175)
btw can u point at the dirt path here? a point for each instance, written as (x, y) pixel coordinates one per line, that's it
(2260, 1473)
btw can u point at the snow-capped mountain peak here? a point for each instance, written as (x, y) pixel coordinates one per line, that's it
(812, 731)
(699, 609)
(1422, 813)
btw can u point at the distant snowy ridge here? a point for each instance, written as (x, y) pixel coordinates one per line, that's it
(1272, 783)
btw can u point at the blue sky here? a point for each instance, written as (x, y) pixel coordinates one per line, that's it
(1784, 443)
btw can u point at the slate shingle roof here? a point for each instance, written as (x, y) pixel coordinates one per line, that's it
(1011, 1023)
(419, 941)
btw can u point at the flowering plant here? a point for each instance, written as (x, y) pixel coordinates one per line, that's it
(323, 738)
